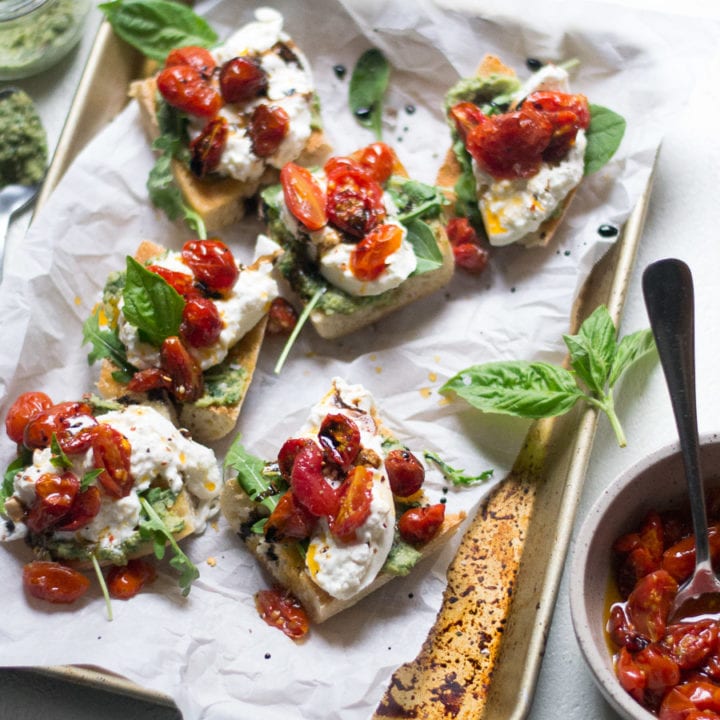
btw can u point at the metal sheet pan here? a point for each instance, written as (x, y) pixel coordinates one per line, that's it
(542, 491)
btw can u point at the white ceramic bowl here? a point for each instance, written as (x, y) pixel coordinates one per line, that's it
(656, 482)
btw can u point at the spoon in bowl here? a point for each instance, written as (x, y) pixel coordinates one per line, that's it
(668, 291)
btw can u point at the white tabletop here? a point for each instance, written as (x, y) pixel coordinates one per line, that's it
(683, 221)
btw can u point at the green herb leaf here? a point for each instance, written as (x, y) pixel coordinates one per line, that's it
(304, 315)
(630, 349)
(157, 26)
(8, 484)
(415, 199)
(455, 476)
(603, 137)
(58, 459)
(466, 203)
(106, 344)
(151, 304)
(592, 350)
(368, 84)
(161, 536)
(427, 252)
(88, 478)
(522, 389)
(103, 586)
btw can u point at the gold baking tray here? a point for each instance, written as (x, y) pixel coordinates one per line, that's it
(526, 521)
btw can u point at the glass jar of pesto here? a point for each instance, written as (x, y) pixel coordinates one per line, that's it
(35, 34)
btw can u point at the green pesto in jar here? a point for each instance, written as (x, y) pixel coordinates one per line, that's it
(23, 143)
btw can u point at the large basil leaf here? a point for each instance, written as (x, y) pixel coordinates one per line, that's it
(630, 349)
(603, 137)
(427, 252)
(368, 84)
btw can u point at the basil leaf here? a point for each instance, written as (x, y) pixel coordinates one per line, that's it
(155, 27)
(466, 194)
(425, 247)
(603, 137)
(261, 486)
(630, 349)
(151, 304)
(58, 459)
(8, 484)
(415, 199)
(368, 84)
(106, 344)
(88, 478)
(523, 389)
(592, 350)
(455, 476)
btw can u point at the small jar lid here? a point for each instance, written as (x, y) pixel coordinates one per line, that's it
(14, 9)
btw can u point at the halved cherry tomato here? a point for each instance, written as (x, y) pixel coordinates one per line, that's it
(339, 437)
(466, 116)
(182, 283)
(405, 472)
(288, 453)
(68, 421)
(213, 264)
(679, 560)
(111, 453)
(647, 671)
(282, 317)
(309, 485)
(289, 519)
(378, 159)
(355, 498)
(185, 88)
(269, 124)
(369, 257)
(184, 370)
(690, 644)
(150, 379)
(567, 113)
(622, 632)
(201, 322)
(24, 409)
(421, 524)
(55, 495)
(242, 79)
(278, 608)
(126, 581)
(207, 148)
(193, 55)
(54, 582)
(649, 604)
(303, 196)
(688, 697)
(470, 257)
(86, 506)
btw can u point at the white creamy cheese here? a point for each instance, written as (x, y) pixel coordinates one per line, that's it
(240, 311)
(344, 569)
(160, 455)
(513, 208)
(549, 77)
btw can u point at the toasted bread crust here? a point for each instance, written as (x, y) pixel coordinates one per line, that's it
(450, 170)
(219, 201)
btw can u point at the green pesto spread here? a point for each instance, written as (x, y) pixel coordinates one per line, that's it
(491, 94)
(401, 559)
(23, 144)
(225, 384)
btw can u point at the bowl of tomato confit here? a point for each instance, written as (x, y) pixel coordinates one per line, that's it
(633, 551)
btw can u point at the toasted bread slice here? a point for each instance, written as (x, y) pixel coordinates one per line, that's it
(206, 423)
(450, 170)
(219, 201)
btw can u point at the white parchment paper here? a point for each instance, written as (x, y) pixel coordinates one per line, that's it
(210, 652)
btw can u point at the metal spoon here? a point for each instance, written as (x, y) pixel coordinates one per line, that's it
(13, 198)
(668, 291)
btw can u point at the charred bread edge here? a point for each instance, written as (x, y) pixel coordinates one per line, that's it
(219, 201)
(449, 171)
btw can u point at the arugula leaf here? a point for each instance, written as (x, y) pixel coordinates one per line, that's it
(523, 389)
(368, 84)
(603, 137)
(106, 344)
(304, 315)
(415, 199)
(58, 459)
(154, 527)
(455, 476)
(103, 586)
(151, 304)
(157, 26)
(427, 252)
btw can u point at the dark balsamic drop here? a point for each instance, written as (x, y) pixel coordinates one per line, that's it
(533, 64)
(410, 109)
(363, 113)
(340, 71)
(607, 230)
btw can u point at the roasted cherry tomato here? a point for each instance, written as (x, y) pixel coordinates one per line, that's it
(149, 379)
(184, 370)
(691, 644)
(309, 485)
(212, 263)
(622, 632)
(85, 507)
(242, 79)
(126, 581)
(269, 124)
(24, 409)
(649, 671)
(303, 196)
(679, 560)
(278, 608)
(419, 525)
(369, 257)
(207, 148)
(339, 437)
(70, 422)
(201, 322)
(567, 113)
(355, 498)
(54, 582)
(378, 159)
(649, 604)
(55, 495)
(182, 283)
(470, 257)
(684, 701)
(289, 519)
(405, 472)
(282, 317)
(466, 117)
(111, 453)
(185, 88)
(288, 453)
(197, 57)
